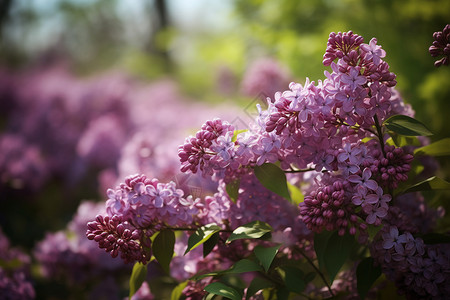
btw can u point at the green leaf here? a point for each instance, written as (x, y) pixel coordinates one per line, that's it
(178, 290)
(282, 293)
(242, 266)
(201, 235)
(402, 140)
(232, 189)
(296, 194)
(209, 245)
(366, 275)
(256, 285)
(432, 183)
(138, 276)
(266, 255)
(162, 247)
(439, 148)
(273, 179)
(320, 244)
(293, 278)
(218, 288)
(336, 252)
(435, 238)
(408, 126)
(252, 230)
(235, 134)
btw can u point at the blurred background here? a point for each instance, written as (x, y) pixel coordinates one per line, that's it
(80, 82)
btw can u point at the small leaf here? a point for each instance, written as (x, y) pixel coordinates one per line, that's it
(201, 235)
(209, 245)
(178, 290)
(242, 266)
(435, 238)
(256, 285)
(408, 126)
(296, 195)
(432, 183)
(218, 288)
(439, 148)
(320, 244)
(366, 275)
(236, 132)
(232, 189)
(273, 179)
(252, 230)
(293, 278)
(266, 255)
(402, 140)
(162, 247)
(336, 252)
(138, 276)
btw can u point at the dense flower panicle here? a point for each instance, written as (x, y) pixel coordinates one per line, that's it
(263, 78)
(340, 44)
(16, 286)
(441, 46)
(138, 208)
(393, 168)
(118, 237)
(418, 270)
(15, 280)
(21, 165)
(329, 208)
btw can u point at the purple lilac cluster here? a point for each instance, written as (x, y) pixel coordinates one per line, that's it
(418, 269)
(68, 256)
(441, 46)
(263, 78)
(136, 209)
(15, 280)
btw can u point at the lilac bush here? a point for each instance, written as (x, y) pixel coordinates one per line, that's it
(329, 172)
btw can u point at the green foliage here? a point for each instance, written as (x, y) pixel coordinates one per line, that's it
(218, 288)
(242, 266)
(407, 126)
(432, 183)
(252, 230)
(439, 148)
(296, 194)
(336, 253)
(209, 245)
(273, 179)
(232, 189)
(162, 247)
(201, 235)
(320, 244)
(138, 276)
(256, 285)
(266, 255)
(366, 275)
(178, 290)
(293, 278)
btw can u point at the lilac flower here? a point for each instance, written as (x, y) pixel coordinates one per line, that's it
(441, 46)
(393, 239)
(354, 79)
(364, 180)
(373, 51)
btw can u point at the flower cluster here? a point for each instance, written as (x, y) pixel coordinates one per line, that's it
(14, 272)
(441, 46)
(136, 210)
(416, 268)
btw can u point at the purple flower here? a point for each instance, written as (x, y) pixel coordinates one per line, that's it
(441, 46)
(373, 51)
(364, 180)
(354, 79)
